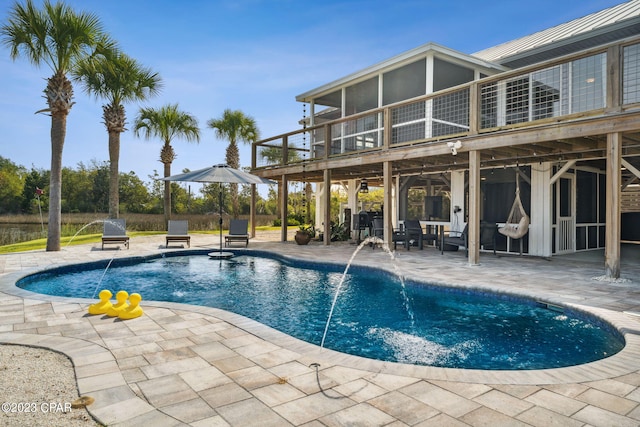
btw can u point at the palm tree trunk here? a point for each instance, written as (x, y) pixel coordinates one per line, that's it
(167, 192)
(232, 156)
(58, 133)
(167, 156)
(235, 204)
(114, 158)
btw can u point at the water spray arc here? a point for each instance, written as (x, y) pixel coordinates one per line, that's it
(373, 241)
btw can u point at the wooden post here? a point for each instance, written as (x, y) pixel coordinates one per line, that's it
(614, 88)
(474, 108)
(388, 183)
(327, 207)
(284, 197)
(474, 207)
(387, 133)
(252, 212)
(612, 227)
(285, 150)
(327, 140)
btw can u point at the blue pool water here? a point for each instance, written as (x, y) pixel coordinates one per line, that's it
(374, 316)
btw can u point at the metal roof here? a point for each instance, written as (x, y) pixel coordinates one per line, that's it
(598, 28)
(410, 55)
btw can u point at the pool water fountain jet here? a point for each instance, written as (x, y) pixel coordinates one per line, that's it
(115, 223)
(373, 241)
(95, 292)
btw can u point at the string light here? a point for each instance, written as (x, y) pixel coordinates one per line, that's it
(304, 163)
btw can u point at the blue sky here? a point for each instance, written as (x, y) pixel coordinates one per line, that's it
(251, 55)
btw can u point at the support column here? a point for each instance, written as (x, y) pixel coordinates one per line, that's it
(457, 199)
(317, 219)
(284, 197)
(541, 228)
(612, 228)
(327, 206)
(474, 207)
(353, 186)
(387, 200)
(252, 212)
(395, 185)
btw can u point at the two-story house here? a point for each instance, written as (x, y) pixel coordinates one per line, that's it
(553, 117)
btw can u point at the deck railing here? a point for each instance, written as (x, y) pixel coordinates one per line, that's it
(562, 88)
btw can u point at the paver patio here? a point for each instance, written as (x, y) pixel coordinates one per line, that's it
(199, 366)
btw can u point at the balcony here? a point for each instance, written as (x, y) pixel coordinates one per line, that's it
(560, 109)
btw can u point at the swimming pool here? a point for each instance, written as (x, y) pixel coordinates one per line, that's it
(374, 317)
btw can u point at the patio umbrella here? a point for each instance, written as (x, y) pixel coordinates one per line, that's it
(221, 174)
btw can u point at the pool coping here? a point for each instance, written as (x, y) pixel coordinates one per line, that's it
(624, 362)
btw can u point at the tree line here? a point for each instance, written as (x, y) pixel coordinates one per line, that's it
(85, 189)
(74, 44)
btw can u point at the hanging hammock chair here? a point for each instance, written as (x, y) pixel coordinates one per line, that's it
(517, 224)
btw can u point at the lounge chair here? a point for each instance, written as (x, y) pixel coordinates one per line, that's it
(177, 231)
(115, 232)
(237, 232)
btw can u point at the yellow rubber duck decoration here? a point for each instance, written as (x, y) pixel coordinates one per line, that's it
(103, 305)
(134, 310)
(121, 304)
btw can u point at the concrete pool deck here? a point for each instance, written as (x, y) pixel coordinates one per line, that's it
(198, 366)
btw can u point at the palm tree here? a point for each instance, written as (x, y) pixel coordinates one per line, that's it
(272, 155)
(167, 123)
(234, 126)
(118, 79)
(57, 37)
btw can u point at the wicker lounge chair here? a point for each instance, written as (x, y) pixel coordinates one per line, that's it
(178, 231)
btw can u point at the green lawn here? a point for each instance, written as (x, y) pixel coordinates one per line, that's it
(39, 244)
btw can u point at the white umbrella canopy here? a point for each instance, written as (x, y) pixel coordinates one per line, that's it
(221, 173)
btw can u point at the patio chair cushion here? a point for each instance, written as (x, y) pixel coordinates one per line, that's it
(177, 231)
(115, 232)
(238, 232)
